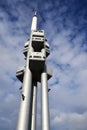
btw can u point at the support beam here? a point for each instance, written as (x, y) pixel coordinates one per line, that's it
(25, 112)
(34, 110)
(45, 104)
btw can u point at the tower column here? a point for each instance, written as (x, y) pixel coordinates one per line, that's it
(24, 120)
(44, 98)
(33, 124)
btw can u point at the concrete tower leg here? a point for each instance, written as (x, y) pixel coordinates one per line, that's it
(33, 124)
(24, 120)
(44, 98)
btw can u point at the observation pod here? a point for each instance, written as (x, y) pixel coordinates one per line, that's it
(36, 50)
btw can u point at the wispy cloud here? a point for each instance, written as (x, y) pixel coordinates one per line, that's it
(65, 24)
(75, 121)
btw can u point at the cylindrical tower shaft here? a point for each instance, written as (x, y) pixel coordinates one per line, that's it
(34, 23)
(33, 124)
(25, 112)
(44, 98)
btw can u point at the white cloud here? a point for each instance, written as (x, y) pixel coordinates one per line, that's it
(68, 107)
(70, 121)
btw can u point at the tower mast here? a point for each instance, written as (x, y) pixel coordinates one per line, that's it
(36, 50)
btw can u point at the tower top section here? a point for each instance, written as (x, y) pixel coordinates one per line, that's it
(34, 22)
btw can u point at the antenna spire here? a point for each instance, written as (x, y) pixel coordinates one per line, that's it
(34, 22)
(35, 13)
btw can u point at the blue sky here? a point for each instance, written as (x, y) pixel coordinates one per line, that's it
(65, 25)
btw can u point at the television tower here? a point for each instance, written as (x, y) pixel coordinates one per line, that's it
(36, 50)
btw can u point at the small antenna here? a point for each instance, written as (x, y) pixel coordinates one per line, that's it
(35, 13)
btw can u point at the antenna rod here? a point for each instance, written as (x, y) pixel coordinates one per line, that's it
(34, 22)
